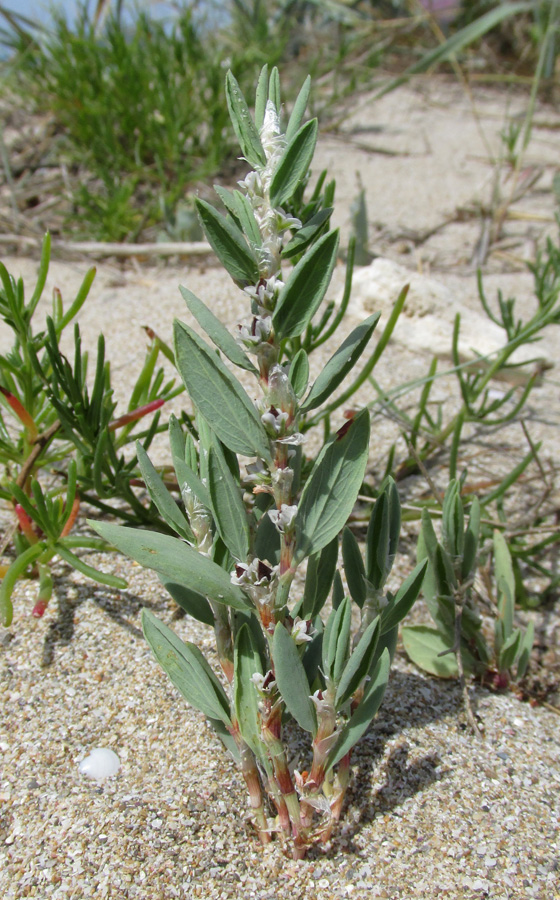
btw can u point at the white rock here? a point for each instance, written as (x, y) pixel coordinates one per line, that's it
(101, 763)
(426, 323)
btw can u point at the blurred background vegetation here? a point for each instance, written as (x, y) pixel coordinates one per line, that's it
(114, 113)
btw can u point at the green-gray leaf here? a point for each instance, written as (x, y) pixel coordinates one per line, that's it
(243, 124)
(187, 668)
(190, 601)
(331, 490)
(229, 245)
(261, 97)
(219, 396)
(216, 331)
(402, 603)
(321, 569)
(336, 641)
(294, 163)
(299, 372)
(340, 364)
(354, 567)
(305, 235)
(161, 496)
(360, 721)
(298, 110)
(359, 664)
(246, 699)
(227, 505)
(292, 681)
(305, 288)
(176, 561)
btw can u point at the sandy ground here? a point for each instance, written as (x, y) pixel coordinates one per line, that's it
(431, 813)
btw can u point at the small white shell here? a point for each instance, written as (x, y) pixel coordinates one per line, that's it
(100, 764)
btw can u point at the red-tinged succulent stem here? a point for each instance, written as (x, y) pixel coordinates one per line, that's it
(271, 735)
(280, 804)
(224, 641)
(25, 418)
(251, 777)
(71, 518)
(26, 524)
(135, 414)
(45, 591)
(342, 779)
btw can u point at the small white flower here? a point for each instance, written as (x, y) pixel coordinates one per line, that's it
(272, 140)
(257, 579)
(258, 472)
(282, 480)
(275, 422)
(294, 439)
(284, 221)
(284, 517)
(257, 333)
(302, 631)
(266, 292)
(321, 705)
(252, 184)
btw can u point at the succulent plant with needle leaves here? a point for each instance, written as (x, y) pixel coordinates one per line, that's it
(251, 520)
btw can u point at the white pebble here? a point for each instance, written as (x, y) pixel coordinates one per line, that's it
(100, 764)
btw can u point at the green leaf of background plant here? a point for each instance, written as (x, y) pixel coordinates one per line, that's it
(243, 124)
(292, 681)
(187, 668)
(15, 571)
(340, 364)
(176, 561)
(360, 721)
(466, 36)
(294, 163)
(219, 396)
(216, 331)
(424, 644)
(229, 245)
(509, 651)
(89, 571)
(525, 650)
(505, 582)
(305, 288)
(472, 536)
(331, 490)
(227, 505)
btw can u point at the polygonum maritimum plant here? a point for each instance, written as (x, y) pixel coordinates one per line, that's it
(251, 519)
